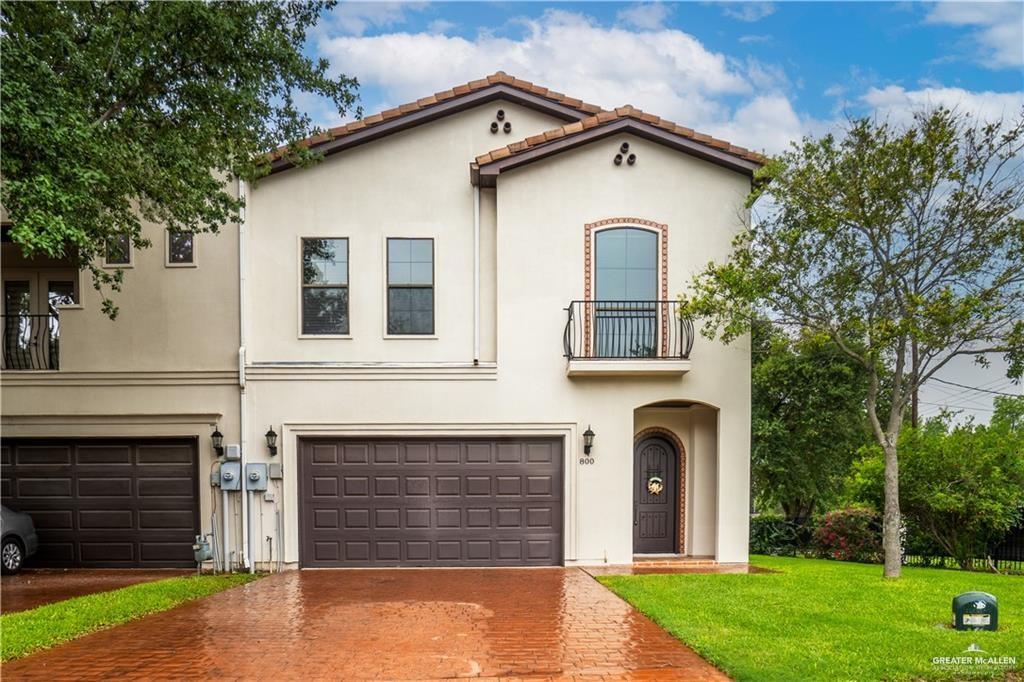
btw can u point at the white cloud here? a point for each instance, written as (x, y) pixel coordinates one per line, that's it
(441, 26)
(355, 18)
(899, 105)
(998, 35)
(666, 71)
(748, 11)
(763, 39)
(645, 15)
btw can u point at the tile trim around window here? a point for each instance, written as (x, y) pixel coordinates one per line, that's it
(386, 286)
(300, 286)
(168, 263)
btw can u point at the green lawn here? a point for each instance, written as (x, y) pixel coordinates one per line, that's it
(25, 632)
(828, 620)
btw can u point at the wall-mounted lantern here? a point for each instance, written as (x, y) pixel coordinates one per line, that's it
(218, 441)
(271, 441)
(588, 440)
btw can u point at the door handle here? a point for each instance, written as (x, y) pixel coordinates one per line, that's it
(635, 513)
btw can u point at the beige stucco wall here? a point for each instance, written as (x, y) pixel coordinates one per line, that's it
(410, 184)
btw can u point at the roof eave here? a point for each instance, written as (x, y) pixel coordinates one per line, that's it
(497, 91)
(486, 175)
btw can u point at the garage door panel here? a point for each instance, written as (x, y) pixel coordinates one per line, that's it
(97, 502)
(418, 502)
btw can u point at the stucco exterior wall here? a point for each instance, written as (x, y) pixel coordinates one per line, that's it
(411, 184)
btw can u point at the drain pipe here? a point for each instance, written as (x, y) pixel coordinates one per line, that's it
(242, 405)
(476, 275)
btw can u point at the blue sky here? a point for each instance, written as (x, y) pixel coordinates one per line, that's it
(758, 74)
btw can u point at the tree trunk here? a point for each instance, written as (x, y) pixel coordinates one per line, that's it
(891, 517)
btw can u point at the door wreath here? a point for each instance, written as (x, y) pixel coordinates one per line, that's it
(655, 485)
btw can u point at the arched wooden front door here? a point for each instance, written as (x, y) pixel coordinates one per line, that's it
(655, 497)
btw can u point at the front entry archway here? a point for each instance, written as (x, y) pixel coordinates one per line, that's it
(655, 496)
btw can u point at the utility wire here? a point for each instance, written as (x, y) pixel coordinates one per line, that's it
(974, 388)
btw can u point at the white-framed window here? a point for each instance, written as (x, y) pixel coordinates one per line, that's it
(181, 249)
(410, 286)
(324, 295)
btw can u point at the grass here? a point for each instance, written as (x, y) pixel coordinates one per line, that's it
(829, 620)
(45, 626)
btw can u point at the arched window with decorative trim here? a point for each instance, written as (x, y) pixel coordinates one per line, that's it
(625, 292)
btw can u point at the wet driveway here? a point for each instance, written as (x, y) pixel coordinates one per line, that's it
(35, 587)
(385, 624)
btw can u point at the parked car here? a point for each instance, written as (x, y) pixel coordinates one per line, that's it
(19, 539)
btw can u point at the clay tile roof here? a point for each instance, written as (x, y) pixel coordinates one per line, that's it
(499, 77)
(603, 117)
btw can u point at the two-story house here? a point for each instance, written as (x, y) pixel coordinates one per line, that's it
(459, 332)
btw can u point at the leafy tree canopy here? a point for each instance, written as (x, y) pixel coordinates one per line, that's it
(961, 486)
(908, 240)
(808, 419)
(113, 113)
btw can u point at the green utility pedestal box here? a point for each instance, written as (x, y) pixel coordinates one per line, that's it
(975, 611)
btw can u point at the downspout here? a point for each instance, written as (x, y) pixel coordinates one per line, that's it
(476, 275)
(242, 406)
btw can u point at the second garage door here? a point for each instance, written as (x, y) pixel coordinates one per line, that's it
(390, 502)
(105, 502)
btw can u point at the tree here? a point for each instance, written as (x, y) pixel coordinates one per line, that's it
(807, 419)
(961, 486)
(116, 112)
(907, 239)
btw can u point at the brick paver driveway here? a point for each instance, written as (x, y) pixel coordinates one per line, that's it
(38, 586)
(381, 624)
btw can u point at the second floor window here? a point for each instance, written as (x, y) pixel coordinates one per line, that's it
(411, 286)
(324, 286)
(119, 250)
(180, 248)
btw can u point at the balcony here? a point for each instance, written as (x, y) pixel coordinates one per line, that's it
(30, 342)
(638, 338)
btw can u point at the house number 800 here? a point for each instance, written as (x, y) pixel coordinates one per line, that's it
(586, 460)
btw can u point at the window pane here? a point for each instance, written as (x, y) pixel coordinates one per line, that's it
(179, 247)
(399, 250)
(325, 261)
(627, 262)
(118, 250)
(641, 249)
(411, 261)
(325, 310)
(421, 250)
(60, 293)
(421, 273)
(411, 310)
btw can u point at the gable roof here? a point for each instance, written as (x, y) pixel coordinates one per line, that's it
(486, 168)
(499, 85)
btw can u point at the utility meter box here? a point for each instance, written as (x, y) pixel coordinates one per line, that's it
(233, 452)
(256, 477)
(975, 611)
(230, 476)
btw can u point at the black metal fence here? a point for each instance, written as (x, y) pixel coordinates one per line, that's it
(30, 342)
(1006, 555)
(627, 330)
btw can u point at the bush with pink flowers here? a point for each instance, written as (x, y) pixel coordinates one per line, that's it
(853, 534)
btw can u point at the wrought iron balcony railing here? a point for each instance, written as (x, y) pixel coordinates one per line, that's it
(627, 330)
(30, 341)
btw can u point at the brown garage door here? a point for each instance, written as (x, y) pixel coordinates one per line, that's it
(106, 503)
(385, 502)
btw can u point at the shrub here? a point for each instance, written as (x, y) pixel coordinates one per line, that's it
(772, 534)
(853, 534)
